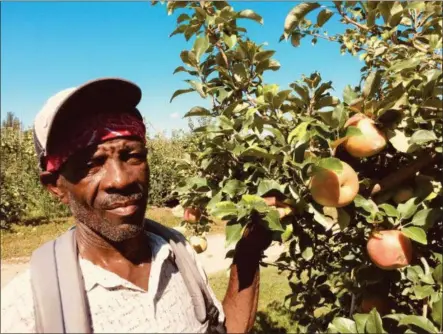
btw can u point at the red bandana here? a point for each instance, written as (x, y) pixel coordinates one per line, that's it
(92, 131)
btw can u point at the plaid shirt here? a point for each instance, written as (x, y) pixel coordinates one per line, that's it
(117, 305)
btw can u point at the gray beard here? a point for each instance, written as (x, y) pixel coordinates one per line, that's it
(101, 225)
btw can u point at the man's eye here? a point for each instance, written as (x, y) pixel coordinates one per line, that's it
(139, 156)
(95, 162)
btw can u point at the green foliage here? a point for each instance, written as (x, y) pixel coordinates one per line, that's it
(162, 151)
(22, 196)
(262, 140)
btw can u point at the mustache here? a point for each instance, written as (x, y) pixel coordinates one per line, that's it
(110, 201)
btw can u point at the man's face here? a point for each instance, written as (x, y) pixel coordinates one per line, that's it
(106, 187)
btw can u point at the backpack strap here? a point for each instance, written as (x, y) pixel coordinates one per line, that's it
(204, 306)
(60, 302)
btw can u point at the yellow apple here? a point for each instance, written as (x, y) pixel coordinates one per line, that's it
(370, 142)
(330, 188)
(200, 244)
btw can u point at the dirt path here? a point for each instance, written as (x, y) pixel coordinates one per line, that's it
(213, 259)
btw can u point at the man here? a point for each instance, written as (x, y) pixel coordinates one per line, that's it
(90, 142)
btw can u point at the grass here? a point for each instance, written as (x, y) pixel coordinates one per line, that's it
(22, 239)
(271, 316)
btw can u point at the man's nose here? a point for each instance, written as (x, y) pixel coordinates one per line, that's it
(117, 176)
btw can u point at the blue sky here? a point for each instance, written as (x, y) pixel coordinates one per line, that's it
(50, 46)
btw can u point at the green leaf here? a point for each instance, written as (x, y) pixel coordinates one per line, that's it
(299, 132)
(416, 234)
(396, 14)
(426, 217)
(390, 210)
(230, 40)
(339, 115)
(234, 232)
(214, 200)
(323, 17)
(414, 273)
(250, 14)
(366, 204)
(278, 100)
(421, 137)
(264, 55)
(372, 84)
(404, 64)
(277, 135)
(265, 186)
(343, 218)
(273, 220)
(224, 210)
(360, 320)
(400, 142)
(240, 73)
(344, 325)
(308, 253)
(419, 321)
(374, 323)
(183, 17)
(201, 44)
(298, 13)
(287, 234)
(180, 69)
(327, 101)
(189, 58)
(332, 164)
(423, 291)
(180, 92)
(437, 274)
(234, 187)
(198, 111)
(407, 210)
(198, 87)
(349, 95)
(258, 152)
(437, 311)
(322, 311)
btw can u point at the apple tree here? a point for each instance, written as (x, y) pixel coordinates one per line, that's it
(350, 184)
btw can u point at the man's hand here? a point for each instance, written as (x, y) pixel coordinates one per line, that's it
(241, 300)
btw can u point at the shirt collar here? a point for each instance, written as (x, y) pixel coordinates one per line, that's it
(94, 275)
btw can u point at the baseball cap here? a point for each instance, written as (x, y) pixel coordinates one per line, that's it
(101, 94)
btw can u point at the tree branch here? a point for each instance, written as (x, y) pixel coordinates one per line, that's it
(349, 20)
(399, 176)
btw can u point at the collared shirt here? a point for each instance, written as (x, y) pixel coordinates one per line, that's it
(117, 305)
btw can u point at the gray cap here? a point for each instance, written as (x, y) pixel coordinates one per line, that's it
(112, 93)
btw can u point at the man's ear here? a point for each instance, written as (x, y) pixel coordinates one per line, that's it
(52, 182)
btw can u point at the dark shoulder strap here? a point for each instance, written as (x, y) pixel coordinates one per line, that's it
(59, 295)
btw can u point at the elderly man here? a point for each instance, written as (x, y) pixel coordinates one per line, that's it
(90, 142)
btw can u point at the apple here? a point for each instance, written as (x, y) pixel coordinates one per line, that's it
(200, 244)
(192, 215)
(369, 143)
(333, 189)
(389, 249)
